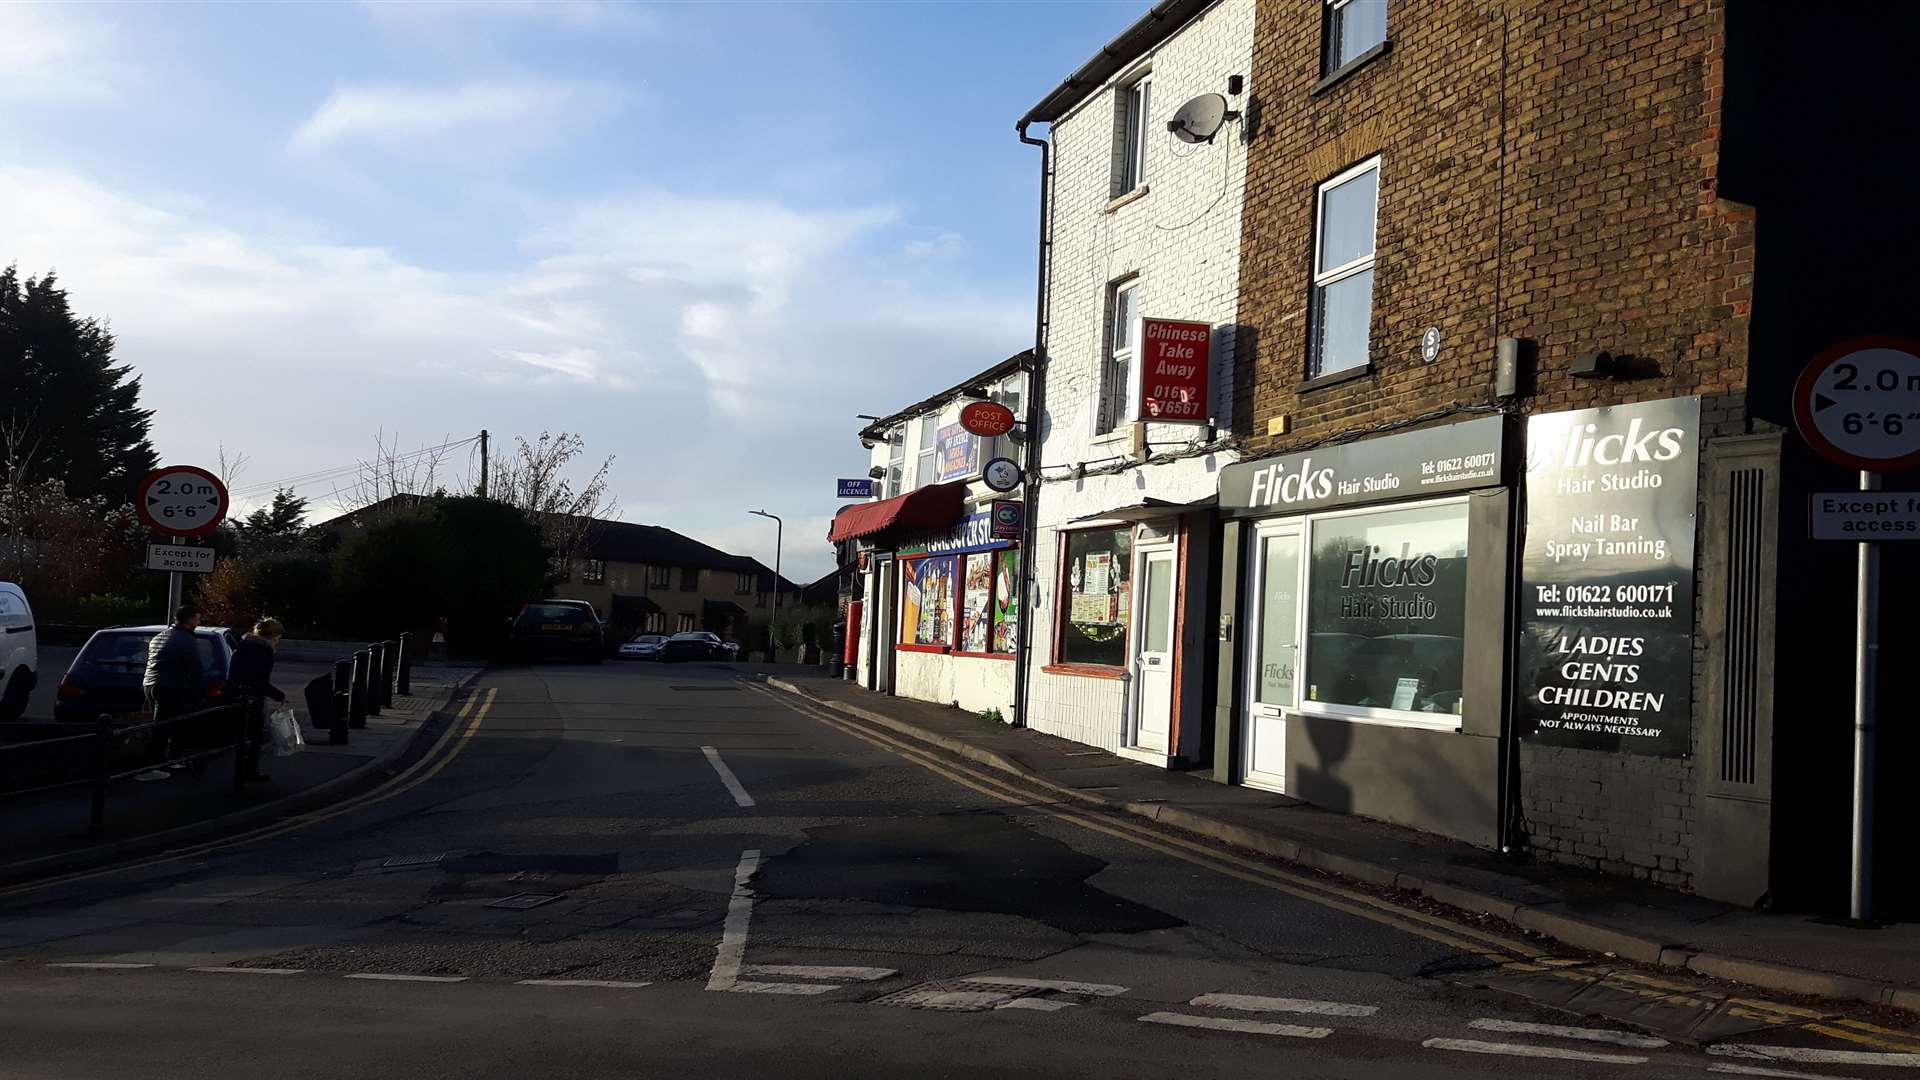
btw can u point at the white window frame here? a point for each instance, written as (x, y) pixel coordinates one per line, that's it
(1358, 714)
(926, 461)
(1332, 62)
(896, 481)
(1135, 110)
(1116, 368)
(1011, 392)
(595, 572)
(1323, 279)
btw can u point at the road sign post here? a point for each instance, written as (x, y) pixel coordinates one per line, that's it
(1858, 404)
(179, 501)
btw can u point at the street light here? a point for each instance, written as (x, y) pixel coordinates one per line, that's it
(779, 530)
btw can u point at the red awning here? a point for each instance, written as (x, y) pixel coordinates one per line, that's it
(934, 507)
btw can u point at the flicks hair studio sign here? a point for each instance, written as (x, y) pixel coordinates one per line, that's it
(1606, 582)
(1172, 376)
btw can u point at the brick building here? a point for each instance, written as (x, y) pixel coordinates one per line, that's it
(1593, 192)
(648, 578)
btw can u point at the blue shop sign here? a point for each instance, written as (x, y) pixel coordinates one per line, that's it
(973, 533)
(855, 489)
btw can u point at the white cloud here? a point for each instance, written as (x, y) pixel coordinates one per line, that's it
(941, 244)
(492, 116)
(718, 346)
(50, 51)
(581, 364)
(572, 16)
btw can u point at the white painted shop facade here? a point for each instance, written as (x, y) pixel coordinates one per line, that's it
(939, 592)
(1142, 225)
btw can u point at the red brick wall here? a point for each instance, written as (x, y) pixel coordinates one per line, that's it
(1548, 173)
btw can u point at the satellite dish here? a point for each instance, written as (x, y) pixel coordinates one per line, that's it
(1200, 120)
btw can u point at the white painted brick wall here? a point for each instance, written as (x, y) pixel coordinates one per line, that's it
(1183, 240)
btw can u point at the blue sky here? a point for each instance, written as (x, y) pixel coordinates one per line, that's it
(703, 235)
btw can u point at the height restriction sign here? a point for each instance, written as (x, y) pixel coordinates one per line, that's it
(181, 500)
(1858, 404)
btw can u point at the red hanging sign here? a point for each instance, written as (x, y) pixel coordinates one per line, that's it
(987, 419)
(1175, 359)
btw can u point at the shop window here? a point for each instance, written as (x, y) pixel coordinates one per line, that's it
(1117, 372)
(1006, 601)
(1342, 309)
(1098, 591)
(926, 601)
(686, 624)
(1386, 610)
(656, 622)
(596, 572)
(1354, 28)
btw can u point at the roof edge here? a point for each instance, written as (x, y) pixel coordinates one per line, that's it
(877, 428)
(1161, 22)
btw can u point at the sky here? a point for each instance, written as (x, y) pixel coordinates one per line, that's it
(704, 236)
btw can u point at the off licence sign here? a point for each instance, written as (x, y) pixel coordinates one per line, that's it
(1858, 404)
(1175, 359)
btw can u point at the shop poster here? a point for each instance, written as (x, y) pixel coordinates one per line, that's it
(1606, 583)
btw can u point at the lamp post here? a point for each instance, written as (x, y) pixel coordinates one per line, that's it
(779, 530)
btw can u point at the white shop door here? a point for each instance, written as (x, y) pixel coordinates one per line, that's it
(1273, 656)
(1153, 658)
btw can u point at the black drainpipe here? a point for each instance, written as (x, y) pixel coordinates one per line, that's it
(1036, 392)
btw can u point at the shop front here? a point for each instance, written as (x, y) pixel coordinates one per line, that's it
(1364, 600)
(957, 603)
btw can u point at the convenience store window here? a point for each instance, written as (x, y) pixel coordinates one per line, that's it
(966, 604)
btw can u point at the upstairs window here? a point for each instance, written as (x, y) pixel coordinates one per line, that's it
(896, 461)
(1342, 309)
(1008, 393)
(1117, 371)
(1134, 106)
(660, 577)
(1353, 27)
(924, 469)
(742, 584)
(689, 579)
(596, 572)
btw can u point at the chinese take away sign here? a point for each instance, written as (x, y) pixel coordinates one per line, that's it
(1175, 358)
